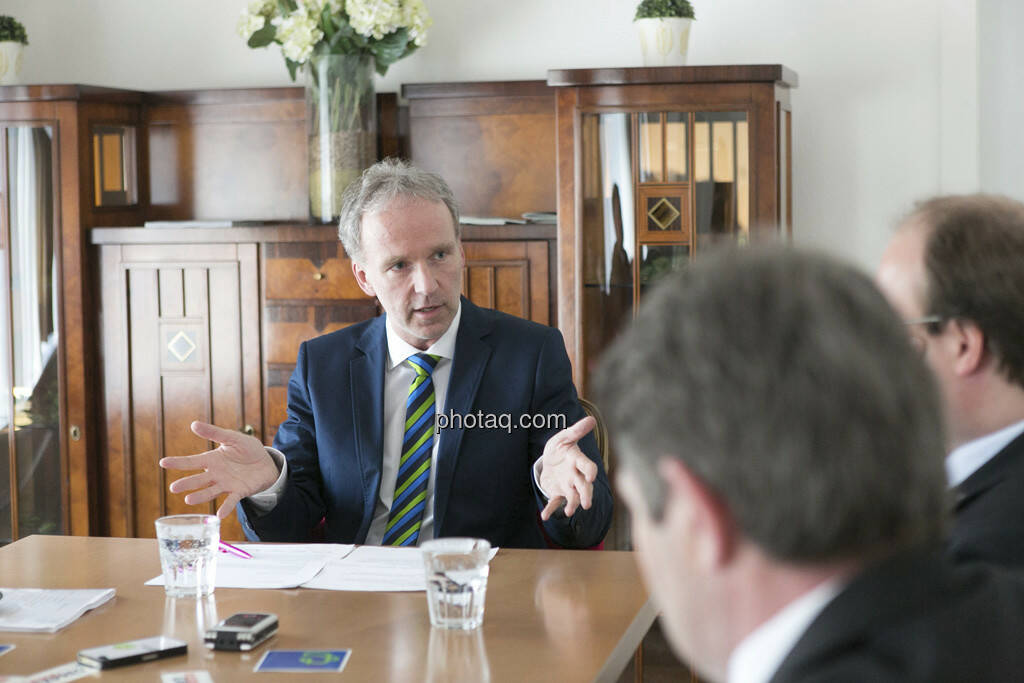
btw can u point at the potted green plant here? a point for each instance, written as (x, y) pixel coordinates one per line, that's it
(664, 30)
(13, 40)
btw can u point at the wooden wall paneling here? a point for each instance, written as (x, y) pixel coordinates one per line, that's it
(494, 143)
(228, 155)
(189, 347)
(146, 483)
(509, 276)
(388, 125)
(226, 378)
(570, 247)
(80, 475)
(764, 179)
(308, 290)
(114, 467)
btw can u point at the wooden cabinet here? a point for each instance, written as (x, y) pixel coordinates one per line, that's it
(656, 165)
(62, 170)
(206, 324)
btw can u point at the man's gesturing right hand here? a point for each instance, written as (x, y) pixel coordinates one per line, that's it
(240, 466)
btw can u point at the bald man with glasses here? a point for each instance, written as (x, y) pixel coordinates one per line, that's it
(954, 271)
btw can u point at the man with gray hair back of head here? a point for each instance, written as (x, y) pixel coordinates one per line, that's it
(437, 418)
(779, 452)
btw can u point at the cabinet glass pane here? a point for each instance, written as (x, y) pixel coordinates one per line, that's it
(657, 261)
(650, 147)
(608, 228)
(721, 173)
(676, 155)
(30, 331)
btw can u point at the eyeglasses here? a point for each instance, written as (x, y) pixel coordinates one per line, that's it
(931, 322)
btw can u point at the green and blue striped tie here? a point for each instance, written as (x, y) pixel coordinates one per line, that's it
(417, 450)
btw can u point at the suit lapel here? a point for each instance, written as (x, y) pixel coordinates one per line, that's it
(991, 473)
(367, 401)
(471, 356)
(894, 589)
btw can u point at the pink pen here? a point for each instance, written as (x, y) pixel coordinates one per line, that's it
(226, 547)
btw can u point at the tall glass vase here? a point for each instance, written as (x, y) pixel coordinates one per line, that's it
(341, 121)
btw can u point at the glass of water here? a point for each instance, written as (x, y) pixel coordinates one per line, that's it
(188, 553)
(456, 581)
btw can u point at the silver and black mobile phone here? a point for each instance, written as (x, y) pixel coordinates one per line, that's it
(132, 652)
(241, 631)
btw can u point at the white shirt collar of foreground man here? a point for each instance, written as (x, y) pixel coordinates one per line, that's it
(759, 655)
(968, 458)
(399, 349)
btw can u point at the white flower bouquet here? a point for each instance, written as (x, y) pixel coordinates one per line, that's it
(386, 30)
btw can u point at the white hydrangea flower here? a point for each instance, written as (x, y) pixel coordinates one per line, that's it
(375, 18)
(298, 33)
(416, 18)
(249, 23)
(313, 7)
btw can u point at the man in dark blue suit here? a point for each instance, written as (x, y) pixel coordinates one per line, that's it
(360, 450)
(954, 272)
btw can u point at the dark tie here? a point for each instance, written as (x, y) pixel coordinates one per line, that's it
(417, 448)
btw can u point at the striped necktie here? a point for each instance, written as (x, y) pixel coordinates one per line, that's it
(417, 449)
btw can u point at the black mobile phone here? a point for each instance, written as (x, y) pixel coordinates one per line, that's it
(132, 652)
(241, 631)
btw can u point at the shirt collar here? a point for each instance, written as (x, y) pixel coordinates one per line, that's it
(968, 458)
(759, 655)
(399, 349)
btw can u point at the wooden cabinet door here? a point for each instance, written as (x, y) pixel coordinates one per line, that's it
(509, 276)
(180, 343)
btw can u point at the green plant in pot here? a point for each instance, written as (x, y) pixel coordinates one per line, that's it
(13, 40)
(663, 27)
(339, 44)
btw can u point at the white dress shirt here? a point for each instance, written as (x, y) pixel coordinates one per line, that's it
(759, 655)
(397, 378)
(968, 458)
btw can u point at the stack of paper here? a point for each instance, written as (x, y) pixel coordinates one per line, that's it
(272, 566)
(375, 568)
(39, 609)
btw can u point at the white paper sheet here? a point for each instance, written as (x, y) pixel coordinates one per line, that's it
(47, 610)
(375, 568)
(272, 566)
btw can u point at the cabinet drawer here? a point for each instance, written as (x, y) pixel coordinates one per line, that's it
(309, 270)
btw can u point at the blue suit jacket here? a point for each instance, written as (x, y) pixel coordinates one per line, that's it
(484, 487)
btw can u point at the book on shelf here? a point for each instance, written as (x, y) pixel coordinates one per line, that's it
(541, 216)
(489, 220)
(216, 223)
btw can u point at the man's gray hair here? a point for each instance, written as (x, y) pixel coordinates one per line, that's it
(788, 386)
(379, 185)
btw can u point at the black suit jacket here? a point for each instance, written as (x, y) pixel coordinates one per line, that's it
(916, 617)
(333, 437)
(988, 524)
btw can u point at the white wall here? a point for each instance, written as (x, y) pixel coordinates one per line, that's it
(1001, 96)
(886, 111)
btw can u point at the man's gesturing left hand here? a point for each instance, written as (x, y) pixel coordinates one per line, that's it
(567, 474)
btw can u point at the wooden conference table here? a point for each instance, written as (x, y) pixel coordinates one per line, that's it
(551, 615)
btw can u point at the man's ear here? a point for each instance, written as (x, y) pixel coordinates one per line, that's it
(969, 346)
(699, 513)
(361, 280)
